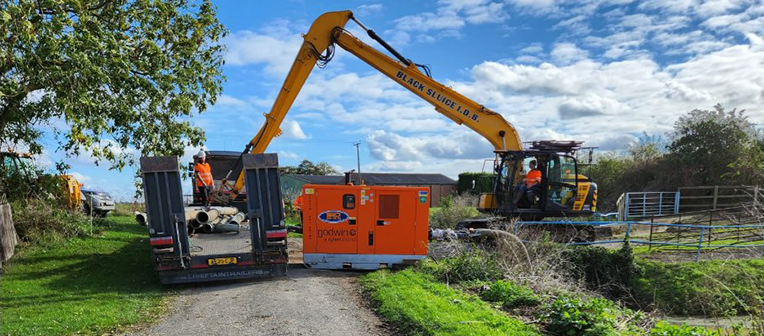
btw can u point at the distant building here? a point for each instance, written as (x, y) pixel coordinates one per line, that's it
(439, 184)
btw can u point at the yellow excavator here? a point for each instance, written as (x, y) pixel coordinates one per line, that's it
(561, 192)
(21, 163)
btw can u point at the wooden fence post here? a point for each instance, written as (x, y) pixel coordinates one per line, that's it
(8, 237)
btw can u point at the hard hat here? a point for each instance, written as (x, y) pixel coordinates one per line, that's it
(201, 154)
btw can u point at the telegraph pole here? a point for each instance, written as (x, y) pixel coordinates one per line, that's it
(357, 145)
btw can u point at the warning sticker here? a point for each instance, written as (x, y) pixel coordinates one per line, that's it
(309, 191)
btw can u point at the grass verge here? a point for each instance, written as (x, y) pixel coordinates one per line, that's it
(418, 304)
(89, 285)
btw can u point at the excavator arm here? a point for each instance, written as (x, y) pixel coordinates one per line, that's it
(318, 48)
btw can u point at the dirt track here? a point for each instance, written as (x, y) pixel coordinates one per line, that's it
(307, 302)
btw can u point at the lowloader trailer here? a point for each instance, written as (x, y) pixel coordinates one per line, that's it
(258, 249)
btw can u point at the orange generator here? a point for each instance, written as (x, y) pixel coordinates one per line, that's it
(364, 227)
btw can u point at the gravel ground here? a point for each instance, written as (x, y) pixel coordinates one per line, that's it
(306, 302)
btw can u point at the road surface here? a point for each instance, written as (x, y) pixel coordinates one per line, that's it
(306, 302)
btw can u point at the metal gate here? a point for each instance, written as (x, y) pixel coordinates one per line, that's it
(646, 204)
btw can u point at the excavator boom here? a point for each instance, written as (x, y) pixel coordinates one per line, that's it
(318, 47)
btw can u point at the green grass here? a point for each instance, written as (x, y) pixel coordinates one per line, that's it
(293, 222)
(419, 305)
(709, 288)
(91, 285)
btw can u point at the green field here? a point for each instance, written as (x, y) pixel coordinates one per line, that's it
(92, 285)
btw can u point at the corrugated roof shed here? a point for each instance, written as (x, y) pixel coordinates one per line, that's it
(404, 179)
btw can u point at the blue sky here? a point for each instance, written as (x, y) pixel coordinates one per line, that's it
(602, 71)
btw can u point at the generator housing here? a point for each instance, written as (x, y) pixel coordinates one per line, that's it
(364, 227)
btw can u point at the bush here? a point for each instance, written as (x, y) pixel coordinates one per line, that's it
(611, 273)
(594, 317)
(38, 222)
(510, 295)
(474, 265)
(453, 209)
(483, 183)
(665, 329)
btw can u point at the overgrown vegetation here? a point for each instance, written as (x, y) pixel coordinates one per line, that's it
(452, 210)
(576, 316)
(419, 302)
(611, 273)
(39, 222)
(91, 285)
(706, 288)
(510, 295)
(713, 288)
(706, 147)
(598, 291)
(475, 183)
(41, 207)
(472, 265)
(128, 209)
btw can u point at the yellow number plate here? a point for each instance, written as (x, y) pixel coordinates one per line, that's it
(222, 261)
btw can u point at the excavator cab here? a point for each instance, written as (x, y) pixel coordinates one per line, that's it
(560, 191)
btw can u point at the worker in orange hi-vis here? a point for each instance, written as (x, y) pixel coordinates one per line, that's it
(534, 176)
(203, 176)
(298, 205)
(531, 179)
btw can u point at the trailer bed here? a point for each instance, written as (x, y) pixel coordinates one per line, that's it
(203, 244)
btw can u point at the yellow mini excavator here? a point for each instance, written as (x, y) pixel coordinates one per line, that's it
(561, 192)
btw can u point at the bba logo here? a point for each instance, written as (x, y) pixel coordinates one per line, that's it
(333, 216)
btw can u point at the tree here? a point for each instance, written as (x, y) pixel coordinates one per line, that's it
(306, 167)
(107, 76)
(717, 147)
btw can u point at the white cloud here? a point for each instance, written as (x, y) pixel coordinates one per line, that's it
(230, 101)
(566, 53)
(616, 100)
(276, 49)
(534, 48)
(449, 18)
(460, 144)
(365, 10)
(715, 7)
(291, 129)
(430, 21)
(540, 5)
(288, 155)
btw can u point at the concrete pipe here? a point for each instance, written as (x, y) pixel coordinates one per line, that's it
(191, 212)
(237, 218)
(141, 218)
(215, 213)
(226, 227)
(194, 224)
(207, 228)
